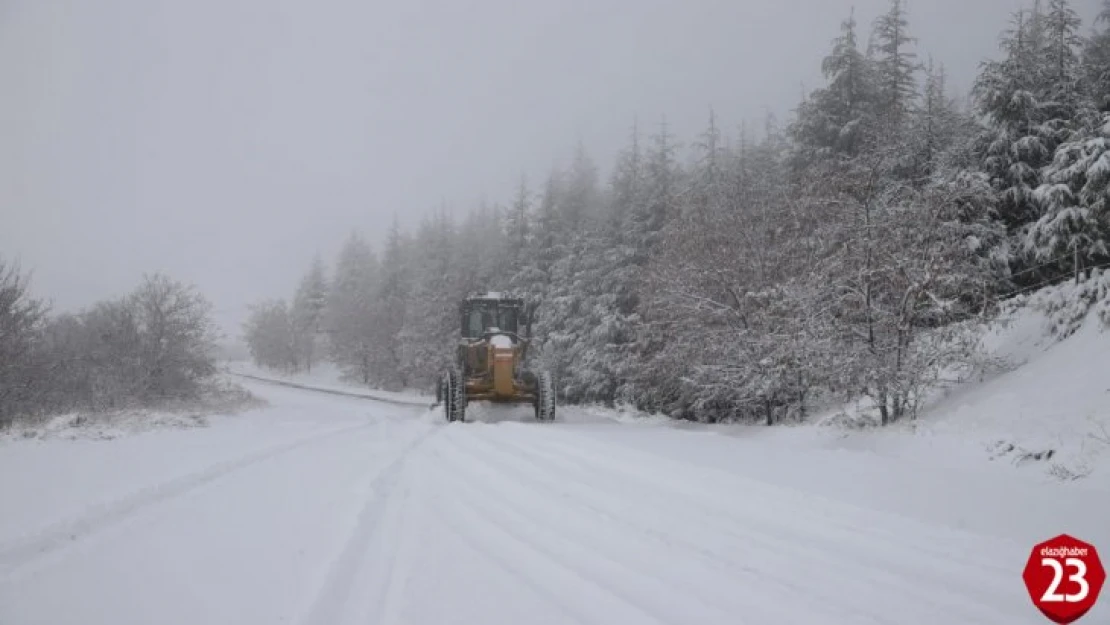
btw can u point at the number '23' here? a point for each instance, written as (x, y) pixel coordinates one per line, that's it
(1080, 577)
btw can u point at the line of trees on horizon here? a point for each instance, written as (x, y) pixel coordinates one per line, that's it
(841, 254)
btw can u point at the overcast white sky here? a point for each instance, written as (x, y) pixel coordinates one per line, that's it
(227, 141)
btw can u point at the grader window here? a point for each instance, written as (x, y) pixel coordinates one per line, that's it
(507, 319)
(480, 317)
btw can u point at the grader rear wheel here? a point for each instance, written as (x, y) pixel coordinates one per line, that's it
(545, 397)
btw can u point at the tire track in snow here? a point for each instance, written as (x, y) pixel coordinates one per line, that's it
(544, 575)
(440, 509)
(395, 565)
(490, 551)
(331, 602)
(390, 570)
(775, 537)
(612, 569)
(66, 534)
(693, 568)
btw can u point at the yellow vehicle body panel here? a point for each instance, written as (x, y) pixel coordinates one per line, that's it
(503, 365)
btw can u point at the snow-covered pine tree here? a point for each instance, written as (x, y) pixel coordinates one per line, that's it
(571, 317)
(1096, 62)
(1013, 152)
(1076, 200)
(270, 336)
(350, 314)
(896, 66)
(1073, 230)
(1060, 52)
(581, 202)
(660, 200)
(1024, 99)
(934, 126)
(517, 224)
(482, 246)
(1058, 237)
(623, 272)
(707, 183)
(392, 308)
(657, 208)
(549, 240)
(627, 186)
(837, 119)
(430, 324)
(307, 311)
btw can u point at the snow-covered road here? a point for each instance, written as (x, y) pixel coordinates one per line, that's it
(331, 510)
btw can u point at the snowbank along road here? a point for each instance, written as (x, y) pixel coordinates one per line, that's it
(322, 509)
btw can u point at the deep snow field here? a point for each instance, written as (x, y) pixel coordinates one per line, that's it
(330, 508)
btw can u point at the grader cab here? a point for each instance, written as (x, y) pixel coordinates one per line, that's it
(492, 359)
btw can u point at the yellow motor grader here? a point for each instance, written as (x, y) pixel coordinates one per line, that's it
(492, 359)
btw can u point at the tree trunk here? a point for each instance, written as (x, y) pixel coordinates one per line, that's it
(801, 397)
(884, 409)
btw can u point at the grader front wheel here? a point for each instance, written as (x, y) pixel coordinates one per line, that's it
(454, 396)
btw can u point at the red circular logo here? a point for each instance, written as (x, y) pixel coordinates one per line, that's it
(1063, 577)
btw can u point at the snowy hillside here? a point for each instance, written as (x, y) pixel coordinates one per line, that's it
(1044, 408)
(1054, 405)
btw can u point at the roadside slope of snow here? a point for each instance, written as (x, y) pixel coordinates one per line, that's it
(219, 398)
(1045, 415)
(1051, 411)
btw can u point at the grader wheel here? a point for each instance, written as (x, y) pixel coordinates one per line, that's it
(454, 396)
(545, 397)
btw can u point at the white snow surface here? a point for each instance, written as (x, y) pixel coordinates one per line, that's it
(328, 509)
(500, 340)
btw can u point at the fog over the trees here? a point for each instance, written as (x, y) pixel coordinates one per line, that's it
(228, 142)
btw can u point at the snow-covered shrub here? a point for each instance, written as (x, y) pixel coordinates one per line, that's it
(1068, 304)
(155, 346)
(21, 318)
